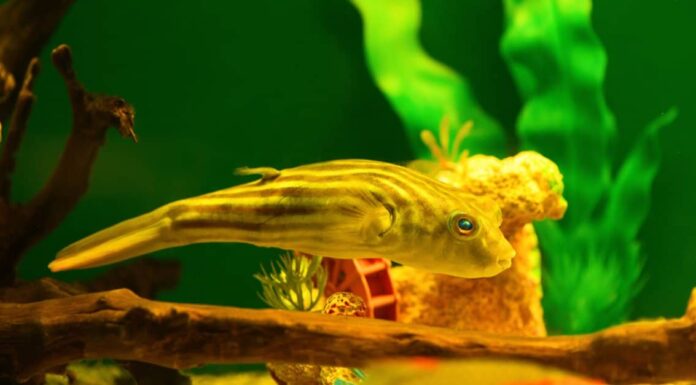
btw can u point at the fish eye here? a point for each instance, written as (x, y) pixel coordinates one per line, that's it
(462, 224)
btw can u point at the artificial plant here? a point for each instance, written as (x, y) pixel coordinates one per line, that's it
(421, 89)
(593, 266)
(593, 262)
(295, 282)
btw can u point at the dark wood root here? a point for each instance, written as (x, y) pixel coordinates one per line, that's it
(25, 27)
(43, 289)
(35, 337)
(145, 277)
(7, 85)
(22, 226)
(17, 128)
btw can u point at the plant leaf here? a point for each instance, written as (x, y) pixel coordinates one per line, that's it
(558, 64)
(419, 88)
(629, 198)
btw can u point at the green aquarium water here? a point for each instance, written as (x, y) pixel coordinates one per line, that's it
(605, 89)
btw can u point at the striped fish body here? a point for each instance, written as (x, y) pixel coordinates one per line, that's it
(341, 209)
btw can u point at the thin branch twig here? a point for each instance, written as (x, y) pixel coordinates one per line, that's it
(15, 132)
(93, 115)
(146, 277)
(25, 26)
(7, 83)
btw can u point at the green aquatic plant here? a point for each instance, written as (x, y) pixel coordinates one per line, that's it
(295, 282)
(593, 265)
(421, 89)
(594, 269)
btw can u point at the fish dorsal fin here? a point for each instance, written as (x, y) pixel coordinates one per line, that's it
(267, 173)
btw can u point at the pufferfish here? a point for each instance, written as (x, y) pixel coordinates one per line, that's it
(340, 209)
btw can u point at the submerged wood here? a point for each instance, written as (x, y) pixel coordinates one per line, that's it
(38, 336)
(25, 27)
(23, 225)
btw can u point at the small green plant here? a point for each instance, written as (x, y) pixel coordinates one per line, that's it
(295, 282)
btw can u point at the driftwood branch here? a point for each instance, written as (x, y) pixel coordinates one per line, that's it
(145, 277)
(25, 26)
(7, 84)
(16, 130)
(35, 337)
(23, 226)
(93, 115)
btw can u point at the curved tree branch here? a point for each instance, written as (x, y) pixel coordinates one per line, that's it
(18, 127)
(23, 226)
(25, 26)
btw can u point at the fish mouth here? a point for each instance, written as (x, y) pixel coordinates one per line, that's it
(504, 263)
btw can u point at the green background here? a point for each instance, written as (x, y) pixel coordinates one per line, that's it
(222, 84)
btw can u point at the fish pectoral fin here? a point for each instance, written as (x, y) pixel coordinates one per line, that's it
(267, 173)
(375, 220)
(377, 223)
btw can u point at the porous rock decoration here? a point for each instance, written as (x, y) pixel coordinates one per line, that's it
(527, 187)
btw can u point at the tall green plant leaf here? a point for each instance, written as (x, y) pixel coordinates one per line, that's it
(629, 198)
(419, 88)
(593, 263)
(595, 270)
(558, 64)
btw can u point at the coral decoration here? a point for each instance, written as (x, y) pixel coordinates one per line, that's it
(527, 187)
(509, 303)
(345, 304)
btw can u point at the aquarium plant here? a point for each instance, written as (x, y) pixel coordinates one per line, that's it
(421, 89)
(592, 261)
(295, 282)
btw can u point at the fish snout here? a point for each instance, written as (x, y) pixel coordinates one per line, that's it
(505, 255)
(504, 263)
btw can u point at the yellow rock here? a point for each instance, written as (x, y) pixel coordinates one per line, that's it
(527, 187)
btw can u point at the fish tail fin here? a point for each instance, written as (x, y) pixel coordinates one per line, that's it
(125, 240)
